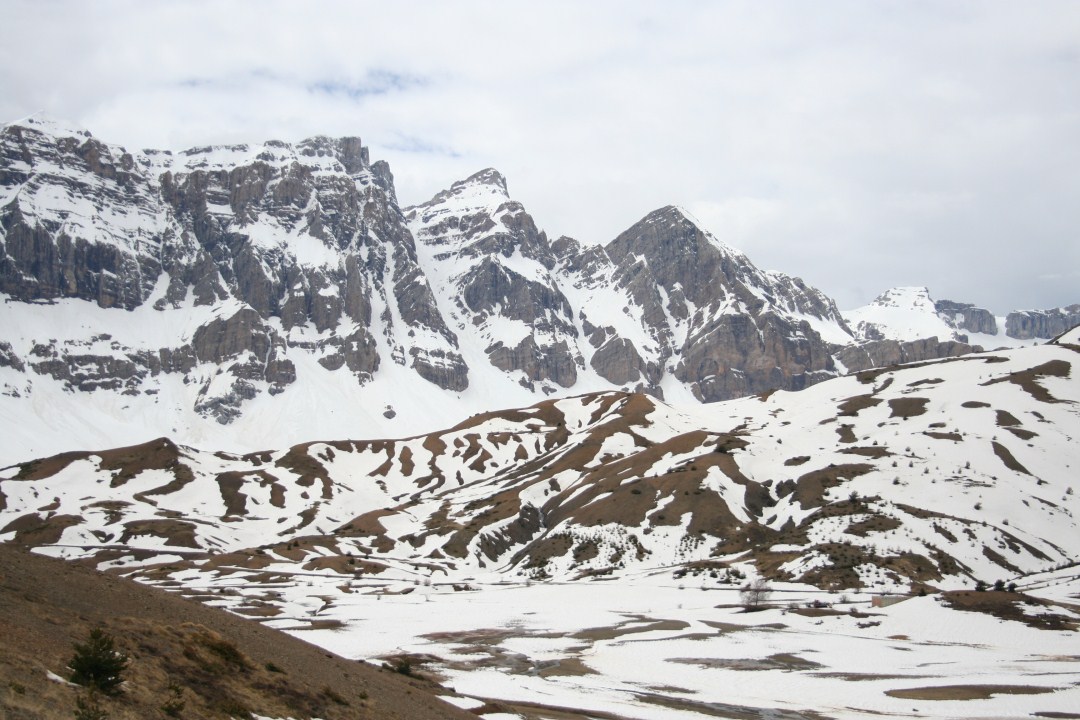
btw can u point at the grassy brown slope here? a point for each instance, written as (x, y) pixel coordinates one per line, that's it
(224, 665)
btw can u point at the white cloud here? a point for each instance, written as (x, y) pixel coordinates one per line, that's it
(859, 145)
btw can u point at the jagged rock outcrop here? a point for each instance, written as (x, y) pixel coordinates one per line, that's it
(492, 268)
(967, 317)
(8, 358)
(735, 329)
(306, 237)
(1041, 324)
(68, 204)
(885, 353)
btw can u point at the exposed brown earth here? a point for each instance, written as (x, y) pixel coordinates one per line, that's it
(225, 666)
(1010, 606)
(966, 692)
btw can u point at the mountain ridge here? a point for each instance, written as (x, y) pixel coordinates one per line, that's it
(279, 290)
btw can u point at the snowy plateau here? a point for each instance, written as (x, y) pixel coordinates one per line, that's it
(247, 375)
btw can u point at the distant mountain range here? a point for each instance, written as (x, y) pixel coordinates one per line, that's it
(258, 295)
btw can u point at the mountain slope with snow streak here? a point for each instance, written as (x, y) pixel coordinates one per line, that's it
(934, 474)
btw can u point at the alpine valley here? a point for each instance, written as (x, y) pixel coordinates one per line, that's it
(203, 356)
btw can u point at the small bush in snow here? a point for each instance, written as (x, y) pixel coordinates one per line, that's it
(754, 595)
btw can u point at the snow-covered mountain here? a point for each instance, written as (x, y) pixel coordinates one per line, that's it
(907, 314)
(664, 307)
(241, 325)
(253, 295)
(261, 295)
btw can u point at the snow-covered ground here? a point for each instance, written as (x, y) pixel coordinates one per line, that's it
(651, 646)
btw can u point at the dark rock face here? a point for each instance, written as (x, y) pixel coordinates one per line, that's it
(8, 358)
(499, 276)
(884, 353)
(1041, 324)
(305, 237)
(617, 360)
(739, 333)
(76, 251)
(965, 316)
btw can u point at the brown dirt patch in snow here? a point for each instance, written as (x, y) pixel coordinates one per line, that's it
(32, 529)
(173, 532)
(873, 452)
(1006, 418)
(875, 523)
(780, 661)
(966, 692)
(846, 433)
(616, 631)
(1029, 379)
(124, 463)
(954, 437)
(725, 710)
(852, 406)
(309, 469)
(810, 488)
(1021, 433)
(908, 407)
(1011, 606)
(567, 667)
(1007, 457)
(858, 677)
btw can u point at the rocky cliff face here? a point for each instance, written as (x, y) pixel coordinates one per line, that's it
(966, 317)
(491, 268)
(285, 280)
(663, 300)
(1042, 324)
(885, 353)
(296, 246)
(723, 327)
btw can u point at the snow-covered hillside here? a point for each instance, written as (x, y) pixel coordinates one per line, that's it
(460, 551)
(940, 473)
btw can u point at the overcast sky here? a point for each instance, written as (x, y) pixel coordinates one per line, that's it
(859, 145)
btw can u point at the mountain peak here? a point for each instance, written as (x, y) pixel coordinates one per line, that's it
(483, 189)
(486, 178)
(48, 125)
(672, 214)
(667, 231)
(905, 297)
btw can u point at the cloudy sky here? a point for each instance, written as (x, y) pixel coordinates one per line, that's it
(860, 145)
